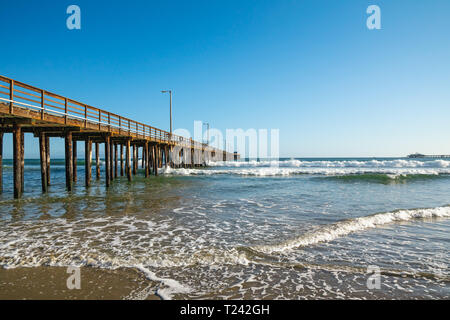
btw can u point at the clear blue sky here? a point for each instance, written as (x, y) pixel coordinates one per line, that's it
(310, 68)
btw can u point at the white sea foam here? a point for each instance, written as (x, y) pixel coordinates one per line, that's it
(150, 246)
(171, 286)
(111, 243)
(394, 163)
(343, 228)
(392, 168)
(289, 171)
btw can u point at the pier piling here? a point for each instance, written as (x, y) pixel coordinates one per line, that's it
(115, 161)
(134, 160)
(121, 160)
(47, 159)
(111, 160)
(145, 156)
(97, 161)
(155, 159)
(107, 161)
(87, 161)
(43, 161)
(69, 161)
(17, 133)
(1, 162)
(128, 159)
(22, 162)
(74, 157)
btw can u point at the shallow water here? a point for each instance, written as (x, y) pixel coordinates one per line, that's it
(297, 228)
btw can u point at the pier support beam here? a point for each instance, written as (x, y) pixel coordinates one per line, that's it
(128, 160)
(87, 161)
(107, 161)
(43, 161)
(47, 159)
(1, 162)
(22, 161)
(111, 161)
(69, 161)
(17, 135)
(155, 159)
(97, 161)
(74, 157)
(121, 160)
(116, 168)
(150, 158)
(134, 160)
(145, 156)
(166, 153)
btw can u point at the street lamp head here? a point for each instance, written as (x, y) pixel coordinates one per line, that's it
(165, 91)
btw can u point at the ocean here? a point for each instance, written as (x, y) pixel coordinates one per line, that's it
(286, 229)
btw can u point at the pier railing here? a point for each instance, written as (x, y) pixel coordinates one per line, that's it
(21, 95)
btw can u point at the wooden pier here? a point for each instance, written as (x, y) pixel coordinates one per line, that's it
(428, 156)
(27, 109)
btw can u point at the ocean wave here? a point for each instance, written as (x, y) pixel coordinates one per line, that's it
(390, 173)
(295, 163)
(345, 227)
(385, 178)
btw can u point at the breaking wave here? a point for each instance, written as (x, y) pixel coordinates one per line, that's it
(394, 163)
(399, 170)
(345, 227)
(389, 173)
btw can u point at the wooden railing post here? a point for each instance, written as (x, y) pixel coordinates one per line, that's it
(85, 116)
(99, 119)
(42, 104)
(11, 96)
(65, 110)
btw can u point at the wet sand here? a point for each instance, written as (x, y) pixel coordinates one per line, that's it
(48, 283)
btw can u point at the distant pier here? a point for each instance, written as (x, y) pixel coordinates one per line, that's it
(27, 109)
(419, 155)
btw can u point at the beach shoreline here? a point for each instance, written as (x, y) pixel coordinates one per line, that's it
(50, 283)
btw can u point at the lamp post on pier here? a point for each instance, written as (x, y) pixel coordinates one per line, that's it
(170, 93)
